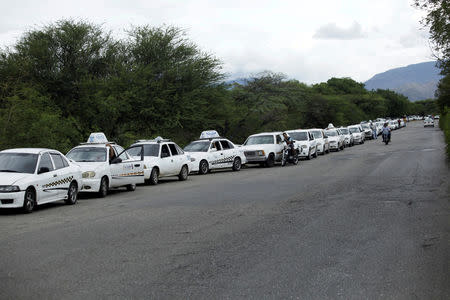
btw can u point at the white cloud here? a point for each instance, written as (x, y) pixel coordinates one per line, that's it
(331, 31)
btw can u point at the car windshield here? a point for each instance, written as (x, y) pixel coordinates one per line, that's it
(331, 133)
(87, 154)
(298, 136)
(18, 162)
(259, 140)
(317, 134)
(199, 146)
(353, 130)
(365, 126)
(343, 130)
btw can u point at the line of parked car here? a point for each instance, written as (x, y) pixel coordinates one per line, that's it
(34, 176)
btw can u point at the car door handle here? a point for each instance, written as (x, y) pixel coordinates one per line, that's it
(137, 165)
(172, 160)
(221, 153)
(55, 175)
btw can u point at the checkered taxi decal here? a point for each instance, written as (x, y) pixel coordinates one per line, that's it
(57, 183)
(224, 160)
(131, 174)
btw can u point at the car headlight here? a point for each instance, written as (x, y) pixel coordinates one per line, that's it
(261, 152)
(9, 188)
(88, 174)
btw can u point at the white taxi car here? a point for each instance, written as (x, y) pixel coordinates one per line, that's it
(428, 122)
(357, 134)
(348, 137)
(322, 142)
(368, 134)
(106, 165)
(163, 158)
(214, 152)
(335, 139)
(304, 142)
(263, 148)
(34, 176)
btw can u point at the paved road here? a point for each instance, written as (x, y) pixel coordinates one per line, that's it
(370, 222)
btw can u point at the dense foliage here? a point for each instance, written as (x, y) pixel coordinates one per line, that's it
(63, 81)
(437, 19)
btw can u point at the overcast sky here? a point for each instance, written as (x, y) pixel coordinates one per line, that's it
(311, 41)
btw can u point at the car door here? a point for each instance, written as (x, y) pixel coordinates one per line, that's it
(128, 167)
(63, 174)
(216, 154)
(229, 154)
(177, 157)
(312, 142)
(46, 187)
(166, 165)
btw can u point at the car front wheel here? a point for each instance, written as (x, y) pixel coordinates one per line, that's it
(103, 191)
(72, 194)
(237, 164)
(203, 167)
(29, 201)
(154, 177)
(183, 173)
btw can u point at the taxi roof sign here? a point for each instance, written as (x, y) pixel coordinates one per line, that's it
(209, 134)
(97, 137)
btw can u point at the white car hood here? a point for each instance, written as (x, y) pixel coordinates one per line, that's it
(256, 147)
(333, 138)
(89, 166)
(9, 178)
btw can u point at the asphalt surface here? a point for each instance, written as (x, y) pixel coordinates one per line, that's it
(370, 222)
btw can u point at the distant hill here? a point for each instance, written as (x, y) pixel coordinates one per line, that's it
(417, 82)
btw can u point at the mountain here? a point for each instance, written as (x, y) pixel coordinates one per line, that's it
(417, 82)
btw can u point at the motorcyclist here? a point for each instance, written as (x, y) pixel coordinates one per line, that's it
(289, 142)
(386, 131)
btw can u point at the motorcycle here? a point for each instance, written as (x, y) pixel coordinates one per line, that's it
(289, 156)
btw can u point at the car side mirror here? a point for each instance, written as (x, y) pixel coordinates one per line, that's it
(43, 170)
(116, 160)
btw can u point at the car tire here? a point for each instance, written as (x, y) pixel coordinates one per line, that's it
(72, 194)
(104, 187)
(183, 173)
(154, 177)
(309, 157)
(131, 187)
(270, 162)
(29, 201)
(237, 164)
(203, 167)
(315, 154)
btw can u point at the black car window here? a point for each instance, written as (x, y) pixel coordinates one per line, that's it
(216, 145)
(225, 145)
(57, 160)
(278, 139)
(46, 162)
(151, 150)
(173, 149)
(165, 151)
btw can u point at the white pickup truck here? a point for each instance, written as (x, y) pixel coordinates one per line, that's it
(263, 148)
